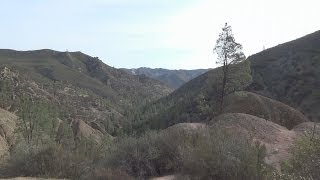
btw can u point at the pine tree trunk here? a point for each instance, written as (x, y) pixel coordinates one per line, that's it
(224, 84)
(223, 93)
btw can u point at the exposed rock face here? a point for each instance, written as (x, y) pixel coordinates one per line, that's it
(6, 73)
(7, 126)
(263, 107)
(82, 130)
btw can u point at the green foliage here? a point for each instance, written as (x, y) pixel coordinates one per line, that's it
(6, 94)
(229, 53)
(140, 157)
(305, 161)
(91, 150)
(47, 161)
(219, 155)
(37, 120)
(201, 154)
(196, 101)
(57, 161)
(52, 152)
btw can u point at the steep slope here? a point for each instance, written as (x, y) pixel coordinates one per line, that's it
(82, 86)
(173, 78)
(290, 73)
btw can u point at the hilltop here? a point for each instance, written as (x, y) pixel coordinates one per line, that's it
(82, 86)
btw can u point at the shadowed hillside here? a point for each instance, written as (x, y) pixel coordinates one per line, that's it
(290, 73)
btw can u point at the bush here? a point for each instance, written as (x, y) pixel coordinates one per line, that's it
(215, 154)
(201, 154)
(305, 161)
(148, 155)
(50, 161)
(54, 161)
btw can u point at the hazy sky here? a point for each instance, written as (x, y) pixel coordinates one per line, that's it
(153, 33)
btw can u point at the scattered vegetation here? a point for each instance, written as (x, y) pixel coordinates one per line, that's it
(305, 161)
(58, 88)
(201, 154)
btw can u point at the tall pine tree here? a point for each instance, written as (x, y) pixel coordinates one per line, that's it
(229, 52)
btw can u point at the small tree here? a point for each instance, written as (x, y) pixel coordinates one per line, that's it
(6, 93)
(37, 120)
(229, 52)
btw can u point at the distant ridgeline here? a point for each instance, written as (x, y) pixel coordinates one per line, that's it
(172, 78)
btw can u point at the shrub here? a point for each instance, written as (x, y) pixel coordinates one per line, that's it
(215, 154)
(50, 161)
(148, 155)
(200, 154)
(55, 161)
(305, 161)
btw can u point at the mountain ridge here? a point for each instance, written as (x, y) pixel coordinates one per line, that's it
(174, 78)
(83, 85)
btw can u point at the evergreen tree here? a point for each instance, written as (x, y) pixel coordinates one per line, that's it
(229, 52)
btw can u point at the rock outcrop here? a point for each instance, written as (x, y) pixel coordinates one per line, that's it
(263, 107)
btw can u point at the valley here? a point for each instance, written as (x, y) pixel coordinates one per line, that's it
(69, 115)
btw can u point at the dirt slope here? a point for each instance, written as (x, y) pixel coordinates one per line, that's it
(277, 139)
(263, 107)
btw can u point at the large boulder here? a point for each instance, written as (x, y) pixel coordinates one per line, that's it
(277, 139)
(263, 107)
(82, 130)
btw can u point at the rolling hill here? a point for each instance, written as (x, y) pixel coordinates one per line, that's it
(82, 86)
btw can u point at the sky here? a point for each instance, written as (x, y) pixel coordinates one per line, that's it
(173, 34)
